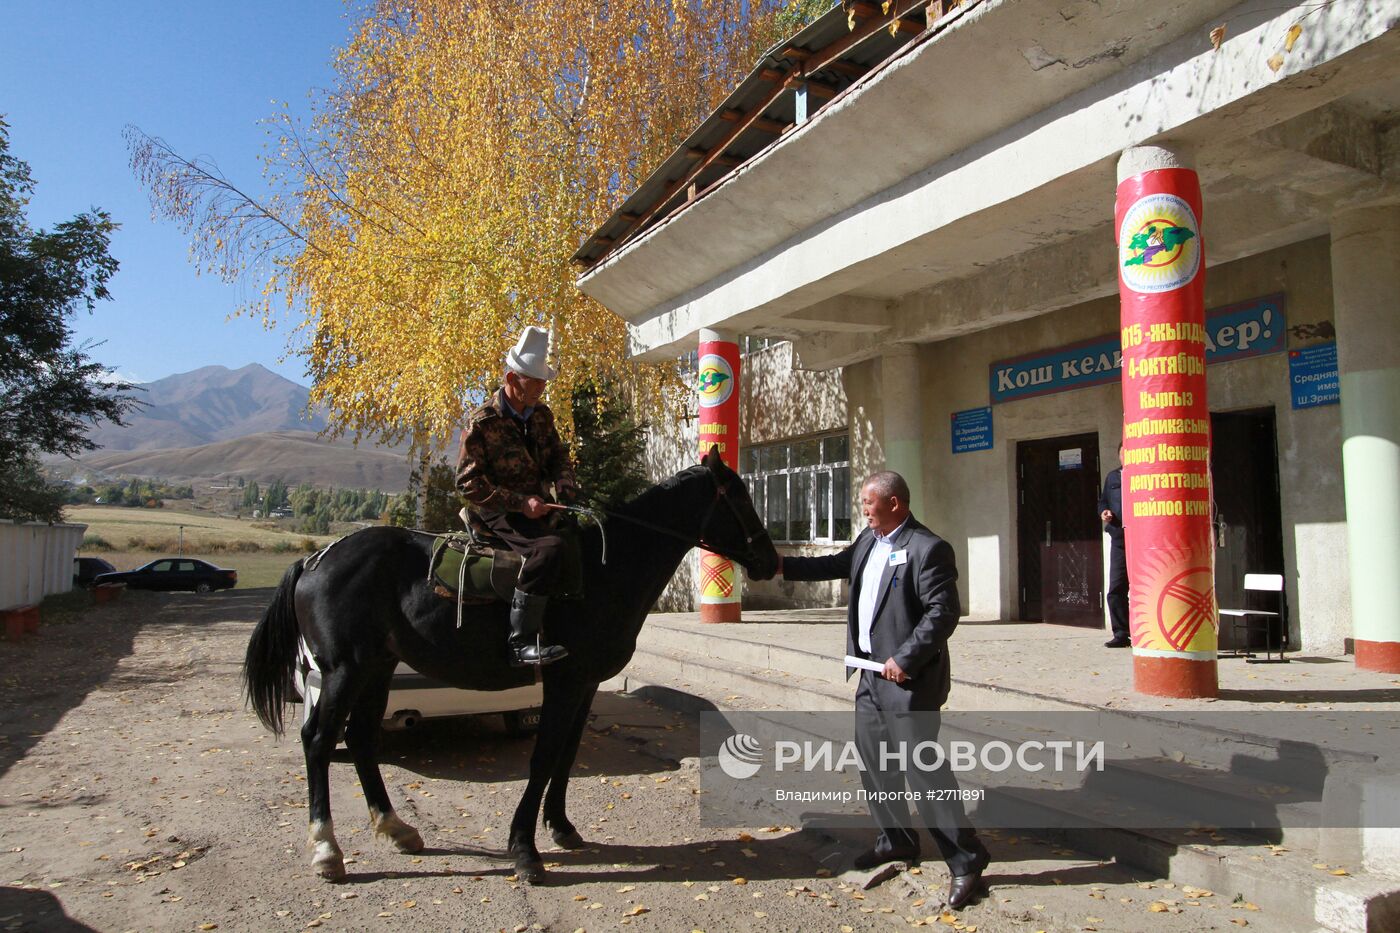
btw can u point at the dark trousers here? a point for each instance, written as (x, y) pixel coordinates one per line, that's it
(883, 715)
(538, 545)
(1118, 590)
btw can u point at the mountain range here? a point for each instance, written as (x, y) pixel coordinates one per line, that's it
(209, 404)
(216, 424)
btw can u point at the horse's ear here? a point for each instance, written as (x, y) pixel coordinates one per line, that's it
(713, 459)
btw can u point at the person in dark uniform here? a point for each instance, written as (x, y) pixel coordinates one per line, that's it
(511, 452)
(1111, 514)
(903, 608)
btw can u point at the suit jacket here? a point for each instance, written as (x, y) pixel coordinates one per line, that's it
(1112, 499)
(915, 613)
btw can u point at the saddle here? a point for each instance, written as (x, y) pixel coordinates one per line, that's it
(477, 571)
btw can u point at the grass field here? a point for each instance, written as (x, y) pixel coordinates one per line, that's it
(138, 536)
(256, 569)
(160, 530)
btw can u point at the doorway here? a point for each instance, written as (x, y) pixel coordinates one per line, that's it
(1059, 537)
(1248, 519)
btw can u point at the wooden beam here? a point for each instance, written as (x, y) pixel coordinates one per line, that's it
(846, 69)
(761, 123)
(742, 121)
(695, 152)
(796, 53)
(821, 90)
(910, 27)
(824, 57)
(773, 74)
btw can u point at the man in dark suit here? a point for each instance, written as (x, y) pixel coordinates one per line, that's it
(1111, 514)
(903, 607)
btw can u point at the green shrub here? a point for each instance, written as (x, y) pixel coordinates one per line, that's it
(309, 545)
(95, 543)
(283, 547)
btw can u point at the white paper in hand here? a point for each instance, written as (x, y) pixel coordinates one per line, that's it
(852, 661)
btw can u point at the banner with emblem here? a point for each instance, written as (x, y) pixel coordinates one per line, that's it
(717, 385)
(1166, 419)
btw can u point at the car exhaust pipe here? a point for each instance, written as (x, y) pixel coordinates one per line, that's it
(403, 719)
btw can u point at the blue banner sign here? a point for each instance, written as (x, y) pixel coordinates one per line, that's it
(1235, 332)
(1312, 376)
(972, 430)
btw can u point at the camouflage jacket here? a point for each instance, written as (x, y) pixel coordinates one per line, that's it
(502, 462)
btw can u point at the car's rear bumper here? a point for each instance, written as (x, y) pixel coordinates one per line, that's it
(410, 691)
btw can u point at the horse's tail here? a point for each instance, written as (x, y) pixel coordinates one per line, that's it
(272, 654)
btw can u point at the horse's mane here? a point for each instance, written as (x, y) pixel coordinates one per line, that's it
(642, 502)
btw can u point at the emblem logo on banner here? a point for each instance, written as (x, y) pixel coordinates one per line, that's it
(1160, 248)
(715, 381)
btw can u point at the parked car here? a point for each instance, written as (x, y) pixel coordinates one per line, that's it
(85, 569)
(174, 573)
(414, 697)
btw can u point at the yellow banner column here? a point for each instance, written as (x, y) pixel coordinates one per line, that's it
(1166, 426)
(721, 582)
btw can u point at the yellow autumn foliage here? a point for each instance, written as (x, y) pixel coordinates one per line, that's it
(428, 211)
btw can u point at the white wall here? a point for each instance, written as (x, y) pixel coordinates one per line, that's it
(36, 560)
(972, 495)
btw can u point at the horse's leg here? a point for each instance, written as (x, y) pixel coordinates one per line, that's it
(318, 738)
(556, 718)
(362, 736)
(555, 816)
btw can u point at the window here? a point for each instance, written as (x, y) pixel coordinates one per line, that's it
(802, 489)
(749, 345)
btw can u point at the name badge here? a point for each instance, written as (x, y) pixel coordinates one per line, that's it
(898, 557)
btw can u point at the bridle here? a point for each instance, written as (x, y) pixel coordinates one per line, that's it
(752, 534)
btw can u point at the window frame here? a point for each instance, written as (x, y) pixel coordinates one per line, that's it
(758, 480)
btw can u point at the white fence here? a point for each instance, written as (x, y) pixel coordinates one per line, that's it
(36, 560)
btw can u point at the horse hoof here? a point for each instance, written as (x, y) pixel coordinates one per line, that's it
(410, 843)
(530, 871)
(331, 869)
(568, 840)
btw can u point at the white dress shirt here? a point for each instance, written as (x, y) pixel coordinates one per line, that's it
(870, 583)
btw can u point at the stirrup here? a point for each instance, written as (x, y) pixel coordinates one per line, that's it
(536, 655)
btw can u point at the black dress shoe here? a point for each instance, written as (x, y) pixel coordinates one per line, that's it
(1118, 643)
(870, 858)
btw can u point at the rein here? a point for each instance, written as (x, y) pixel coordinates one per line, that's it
(749, 536)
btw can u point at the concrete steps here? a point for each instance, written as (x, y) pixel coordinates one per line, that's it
(1269, 860)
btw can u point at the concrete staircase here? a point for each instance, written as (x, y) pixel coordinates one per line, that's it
(1280, 856)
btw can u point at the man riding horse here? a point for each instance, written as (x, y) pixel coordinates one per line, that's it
(510, 454)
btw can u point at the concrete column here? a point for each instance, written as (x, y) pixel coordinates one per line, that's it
(1172, 611)
(1366, 293)
(721, 582)
(901, 402)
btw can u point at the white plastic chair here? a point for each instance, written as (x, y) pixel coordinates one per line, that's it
(1248, 619)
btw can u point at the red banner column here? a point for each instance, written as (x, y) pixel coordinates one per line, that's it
(1166, 426)
(718, 385)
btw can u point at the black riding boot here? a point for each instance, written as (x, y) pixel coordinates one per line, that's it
(526, 613)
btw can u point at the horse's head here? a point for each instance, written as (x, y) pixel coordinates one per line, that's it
(732, 526)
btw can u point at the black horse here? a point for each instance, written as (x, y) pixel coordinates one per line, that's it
(368, 604)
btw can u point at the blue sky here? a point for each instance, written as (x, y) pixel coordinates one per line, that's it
(201, 75)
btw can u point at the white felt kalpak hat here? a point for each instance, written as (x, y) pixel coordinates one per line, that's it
(530, 357)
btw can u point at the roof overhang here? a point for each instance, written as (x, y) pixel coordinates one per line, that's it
(994, 142)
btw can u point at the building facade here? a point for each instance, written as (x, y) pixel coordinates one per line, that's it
(928, 246)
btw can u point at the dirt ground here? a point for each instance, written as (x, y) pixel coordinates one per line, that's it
(137, 793)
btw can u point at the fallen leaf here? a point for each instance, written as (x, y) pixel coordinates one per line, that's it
(1157, 907)
(208, 926)
(741, 881)
(1217, 36)
(1291, 36)
(580, 897)
(745, 837)
(1340, 872)
(1239, 921)
(1275, 62)
(637, 911)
